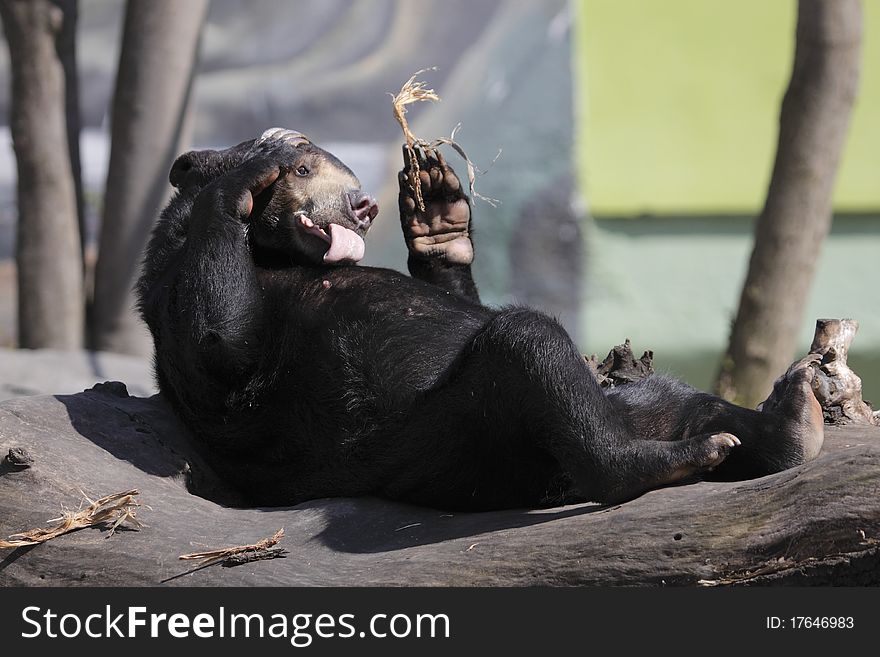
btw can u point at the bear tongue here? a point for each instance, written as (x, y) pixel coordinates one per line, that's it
(345, 245)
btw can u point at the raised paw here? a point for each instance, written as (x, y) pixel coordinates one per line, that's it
(258, 166)
(276, 147)
(795, 403)
(271, 156)
(276, 136)
(804, 367)
(442, 229)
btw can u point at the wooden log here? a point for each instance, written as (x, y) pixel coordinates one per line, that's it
(815, 524)
(620, 366)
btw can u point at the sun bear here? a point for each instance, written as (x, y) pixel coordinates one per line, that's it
(304, 375)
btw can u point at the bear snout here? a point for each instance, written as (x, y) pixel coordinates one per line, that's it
(364, 207)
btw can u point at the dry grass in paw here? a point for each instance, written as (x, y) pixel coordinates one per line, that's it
(415, 91)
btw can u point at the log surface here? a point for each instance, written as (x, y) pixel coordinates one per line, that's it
(815, 524)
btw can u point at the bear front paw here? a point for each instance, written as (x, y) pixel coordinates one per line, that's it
(442, 230)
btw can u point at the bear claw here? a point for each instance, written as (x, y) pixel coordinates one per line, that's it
(720, 445)
(292, 137)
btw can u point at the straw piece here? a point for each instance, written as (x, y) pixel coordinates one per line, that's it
(253, 551)
(113, 509)
(414, 91)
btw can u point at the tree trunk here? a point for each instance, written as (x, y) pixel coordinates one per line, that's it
(66, 46)
(797, 213)
(156, 66)
(48, 253)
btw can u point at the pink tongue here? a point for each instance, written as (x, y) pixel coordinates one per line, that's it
(345, 245)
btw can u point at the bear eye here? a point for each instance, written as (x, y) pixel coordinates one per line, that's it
(302, 170)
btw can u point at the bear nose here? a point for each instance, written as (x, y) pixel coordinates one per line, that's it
(363, 207)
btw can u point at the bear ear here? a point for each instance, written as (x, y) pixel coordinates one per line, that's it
(179, 170)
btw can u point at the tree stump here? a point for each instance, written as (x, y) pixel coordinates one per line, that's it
(620, 366)
(836, 386)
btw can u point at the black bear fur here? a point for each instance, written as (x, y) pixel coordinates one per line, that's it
(302, 379)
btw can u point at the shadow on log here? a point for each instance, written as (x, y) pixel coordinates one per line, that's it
(815, 524)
